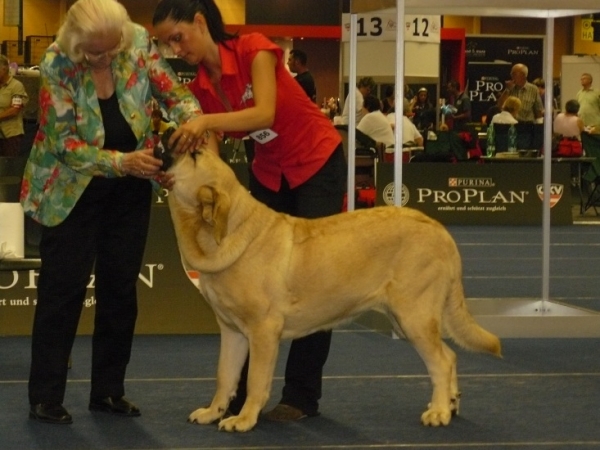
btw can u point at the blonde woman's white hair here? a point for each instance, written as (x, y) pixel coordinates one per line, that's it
(87, 19)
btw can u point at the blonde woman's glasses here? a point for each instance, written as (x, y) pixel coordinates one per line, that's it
(93, 57)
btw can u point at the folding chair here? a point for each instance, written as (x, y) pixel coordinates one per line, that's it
(368, 152)
(501, 137)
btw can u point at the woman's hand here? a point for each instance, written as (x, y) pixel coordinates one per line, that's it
(166, 180)
(141, 164)
(190, 136)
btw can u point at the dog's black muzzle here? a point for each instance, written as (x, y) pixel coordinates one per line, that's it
(162, 150)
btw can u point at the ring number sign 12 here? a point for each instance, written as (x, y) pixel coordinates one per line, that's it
(382, 27)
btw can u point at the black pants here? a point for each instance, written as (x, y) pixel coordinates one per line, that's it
(106, 231)
(322, 195)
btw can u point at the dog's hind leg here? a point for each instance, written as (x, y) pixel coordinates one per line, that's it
(423, 331)
(454, 390)
(264, 347)
(233, 353)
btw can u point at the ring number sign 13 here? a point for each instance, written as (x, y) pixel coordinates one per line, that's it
(382, 26)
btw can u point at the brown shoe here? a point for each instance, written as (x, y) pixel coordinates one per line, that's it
(284, 413)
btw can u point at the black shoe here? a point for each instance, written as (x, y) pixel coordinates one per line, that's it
(116, 406)
(50, 413)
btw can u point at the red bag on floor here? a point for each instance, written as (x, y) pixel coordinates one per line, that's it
(568, 148)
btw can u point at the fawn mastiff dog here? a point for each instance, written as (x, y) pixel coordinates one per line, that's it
(269, 276)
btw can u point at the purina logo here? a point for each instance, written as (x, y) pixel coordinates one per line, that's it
(470, 182)
(556, 192)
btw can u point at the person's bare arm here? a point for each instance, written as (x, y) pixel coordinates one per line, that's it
(257, 117)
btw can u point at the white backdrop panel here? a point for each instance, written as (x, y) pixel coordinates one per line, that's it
(378, 59)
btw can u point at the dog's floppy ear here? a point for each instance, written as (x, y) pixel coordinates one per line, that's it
(214, 209)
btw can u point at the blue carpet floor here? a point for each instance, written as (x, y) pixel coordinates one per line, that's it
(543, 394)
(507, 262)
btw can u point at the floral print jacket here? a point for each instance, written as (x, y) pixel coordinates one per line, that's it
(67, 150)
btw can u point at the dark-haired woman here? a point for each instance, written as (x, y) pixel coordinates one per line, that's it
(299, 166)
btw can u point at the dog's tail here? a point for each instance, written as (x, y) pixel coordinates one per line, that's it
(462, 327)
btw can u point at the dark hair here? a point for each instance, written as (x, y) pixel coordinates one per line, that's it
(367, 82)
(389, 90)
(572, 107)
(372, 103)
(494, 109)
(299, 55)
(185, 10)
(454, 84)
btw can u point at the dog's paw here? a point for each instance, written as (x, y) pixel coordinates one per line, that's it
(436, 417)
(237, 423)
(205, 416)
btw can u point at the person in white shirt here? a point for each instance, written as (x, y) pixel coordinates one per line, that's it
(363, 88)
(510, 109)
(374, 124)
(589, 102)
(568, 123)
(410, 133)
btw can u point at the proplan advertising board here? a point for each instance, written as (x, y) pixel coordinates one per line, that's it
(489, 60)
(479, 194)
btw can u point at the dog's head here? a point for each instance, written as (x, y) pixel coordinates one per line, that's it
(203, 182)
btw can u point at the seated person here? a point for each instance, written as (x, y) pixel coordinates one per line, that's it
(410, 133)
(568, 123)
(491, 112)
(510, 109)
(374, 124)
(423, 111)
(388, 102)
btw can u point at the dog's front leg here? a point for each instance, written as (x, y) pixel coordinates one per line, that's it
(233, 352)
(264, 347)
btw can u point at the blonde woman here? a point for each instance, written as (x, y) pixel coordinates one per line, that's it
(88, 182)
(510, 110)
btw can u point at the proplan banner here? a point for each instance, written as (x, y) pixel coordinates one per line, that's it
(507, 193)
(489, 60)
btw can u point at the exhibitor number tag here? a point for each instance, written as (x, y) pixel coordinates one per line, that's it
(263, 136)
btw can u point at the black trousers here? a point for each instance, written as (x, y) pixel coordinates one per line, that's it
(106, 232)
(320, 196)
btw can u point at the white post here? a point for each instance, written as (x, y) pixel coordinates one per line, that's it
(352, 113)
(548, 66)
(399, 103)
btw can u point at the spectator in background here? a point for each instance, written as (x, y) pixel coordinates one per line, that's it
(374, 124)
(423, 110)
(408, 92)
(518, 86)
(364, 87)
(589, 103)
(297, 64)
(490, 113)
(13, 99)
(462, 103)
(410, 134)
(541, 85)
(389, 100)
(569, 124)
(509, 113)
